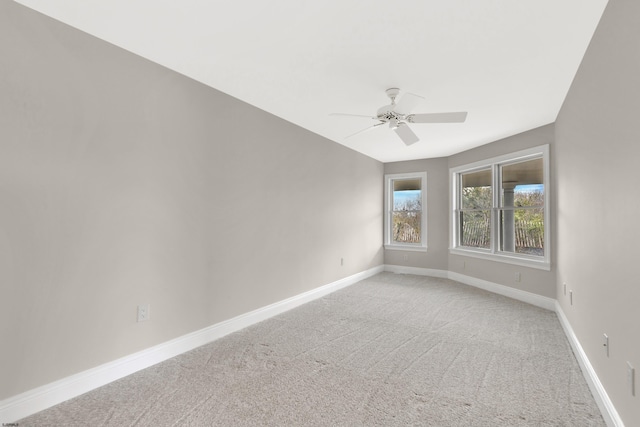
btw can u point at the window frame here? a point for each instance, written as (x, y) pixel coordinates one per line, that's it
(494, 253)
(388, 212)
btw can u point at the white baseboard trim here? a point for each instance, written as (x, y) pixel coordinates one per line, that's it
(41, 398)
(600, 395)
(517, 294)
(418, 271)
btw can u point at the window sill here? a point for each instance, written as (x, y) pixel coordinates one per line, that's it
(406, 248)
(541, 264)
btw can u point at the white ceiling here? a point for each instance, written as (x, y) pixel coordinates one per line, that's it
(509, 63)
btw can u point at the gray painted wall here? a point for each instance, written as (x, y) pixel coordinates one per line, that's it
(122, 182)
(597, 151)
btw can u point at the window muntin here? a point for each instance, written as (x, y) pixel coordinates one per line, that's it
(405, 219)
(500, 208)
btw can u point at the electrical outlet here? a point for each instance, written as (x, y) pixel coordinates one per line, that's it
(405, 257)
(464, 265)
(564, 288)
(605, 343)
(631, 380)
(341, 261)
(518, 276)
(144, 312)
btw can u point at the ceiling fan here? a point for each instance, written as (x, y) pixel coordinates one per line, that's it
(399, 116)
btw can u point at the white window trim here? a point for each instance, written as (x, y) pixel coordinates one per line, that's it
(543, 263)
(388, 198)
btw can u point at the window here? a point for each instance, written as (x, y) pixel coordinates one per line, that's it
(405, 213)
(501, 210)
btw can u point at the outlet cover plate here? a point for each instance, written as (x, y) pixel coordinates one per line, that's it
(144, 312)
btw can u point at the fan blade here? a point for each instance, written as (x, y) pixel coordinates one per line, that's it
(365, 130)
(407, 103)
(406, 134)
(458, 117)
(352, 115)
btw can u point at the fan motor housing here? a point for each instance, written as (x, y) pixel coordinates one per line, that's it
(386, 112)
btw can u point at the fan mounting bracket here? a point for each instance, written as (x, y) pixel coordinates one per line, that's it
(392, 92)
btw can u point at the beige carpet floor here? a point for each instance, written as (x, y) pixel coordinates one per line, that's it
(392, 350)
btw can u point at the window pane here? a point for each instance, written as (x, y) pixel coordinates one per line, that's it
(522, 231)
(408, 200)
(407, 194)
(476, 190)
(523, 184)
(475, 229)
(406, 227)
(529, 195)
